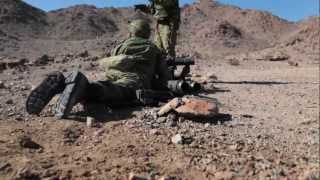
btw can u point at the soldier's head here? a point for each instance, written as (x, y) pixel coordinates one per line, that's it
(140, 28)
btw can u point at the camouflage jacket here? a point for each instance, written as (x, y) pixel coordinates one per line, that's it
(136, 63)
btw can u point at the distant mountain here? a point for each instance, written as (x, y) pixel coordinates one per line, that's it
(207, 27)
(19, 18)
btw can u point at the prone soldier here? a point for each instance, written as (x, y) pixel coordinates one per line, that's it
(135, 64)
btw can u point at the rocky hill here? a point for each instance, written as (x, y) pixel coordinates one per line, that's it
(208, 28)
(18, 18)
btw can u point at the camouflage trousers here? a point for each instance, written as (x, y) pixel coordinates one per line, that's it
(166, 36)
(109, 92)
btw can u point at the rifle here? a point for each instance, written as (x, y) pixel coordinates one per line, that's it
(178, 86)
(180, 61)
(172, 64)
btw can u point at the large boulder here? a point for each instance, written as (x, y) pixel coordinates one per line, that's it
(191, 107)
(198, 107)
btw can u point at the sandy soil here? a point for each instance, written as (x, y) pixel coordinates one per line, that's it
(273, 133)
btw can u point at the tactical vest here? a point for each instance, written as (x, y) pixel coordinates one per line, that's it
(132, 63)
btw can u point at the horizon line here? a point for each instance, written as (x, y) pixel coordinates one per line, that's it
(181, 5)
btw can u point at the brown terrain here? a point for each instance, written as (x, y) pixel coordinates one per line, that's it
(263, 70)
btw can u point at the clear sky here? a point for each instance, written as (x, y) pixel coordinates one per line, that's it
(293, 10)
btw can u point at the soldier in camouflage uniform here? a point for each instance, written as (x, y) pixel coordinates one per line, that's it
(167, 15)
(135, 64)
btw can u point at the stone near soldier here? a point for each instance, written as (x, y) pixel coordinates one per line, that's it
(173, 104)
(195, 107)
(191, 107)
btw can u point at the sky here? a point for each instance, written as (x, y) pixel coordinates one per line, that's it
(292, 10)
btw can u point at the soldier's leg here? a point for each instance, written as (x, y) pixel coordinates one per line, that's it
(74, 92)
(108, 92)
(162, 36)
(166, 36)
(174, 26)
(78, 89)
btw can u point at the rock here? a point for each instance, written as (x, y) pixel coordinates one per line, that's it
(155, 132)
(223, 175)
(269, 55)
(292, 63)
(195, 107)
(3, 66)
(171, 124)
(174, 103)
(227, 30)
(172, 117)
(24, 88)
(247, 116)
(71, 134)
(212, 76)
(16, 63)
(19, 118)
(83, 54)
(279, 56)
(161, 119)
(171, 120)
(177, 139)
(234, 62)
(27, 142)
(90, 66)
(26, 173)
(5, 166)
(167, 178)
(238, 57)
(196, 75)
(99, 132)
(9, 101)
(2, 85)
(133, 176)
(11, 85)
(43, 60)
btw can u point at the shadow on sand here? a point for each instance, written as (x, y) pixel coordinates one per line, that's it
(103, 114)
(253, 82)
(218, 119)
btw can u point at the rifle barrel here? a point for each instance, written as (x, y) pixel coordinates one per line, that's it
(180, 62)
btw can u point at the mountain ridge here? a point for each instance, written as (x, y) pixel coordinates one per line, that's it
(205, 25)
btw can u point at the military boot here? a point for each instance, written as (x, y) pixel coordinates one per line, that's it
(40, 96)
(74, 92)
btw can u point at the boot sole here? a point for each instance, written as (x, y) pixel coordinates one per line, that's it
(44, 92)
(75, 89)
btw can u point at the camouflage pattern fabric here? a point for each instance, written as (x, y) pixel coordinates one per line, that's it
(134, 64)
(166, 36)
(167, 13)
(109, 92)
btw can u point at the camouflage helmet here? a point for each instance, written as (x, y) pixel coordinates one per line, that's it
(140, 28)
